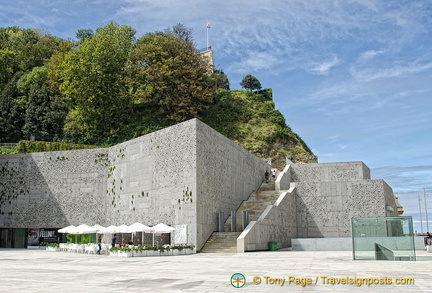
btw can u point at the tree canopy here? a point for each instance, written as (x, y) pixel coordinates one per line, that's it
(107, 83)
(92, 81)
(250, 82)
(168, 74)
(109, 86)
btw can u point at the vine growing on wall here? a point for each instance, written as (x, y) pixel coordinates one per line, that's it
(112, 190)
(186, 197)
(62, 158)
(12, 185)
(102, 159)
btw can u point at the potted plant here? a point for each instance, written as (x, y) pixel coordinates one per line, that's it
(124, 252)
(152, 251)
(178, 250)
(139, 251)
(52, 247)
(165, 250)
(114, 251)
(182, 249)
(190, 249)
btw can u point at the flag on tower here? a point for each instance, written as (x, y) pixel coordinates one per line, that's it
(208, 25)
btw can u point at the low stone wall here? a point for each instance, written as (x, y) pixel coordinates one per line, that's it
(277, 223)
(322, 244)
(340, 171)
(283, 181)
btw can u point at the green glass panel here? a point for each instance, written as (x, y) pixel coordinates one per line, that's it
(383, 238)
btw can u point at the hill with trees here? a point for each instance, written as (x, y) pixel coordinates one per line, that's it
(109, 86)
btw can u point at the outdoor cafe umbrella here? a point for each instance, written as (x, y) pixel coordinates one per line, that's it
(97, 228)
(138, 227)
(161, 228)
(82, 229)
(115, 229)
(66, 229)
(123, 229)
(109, 230)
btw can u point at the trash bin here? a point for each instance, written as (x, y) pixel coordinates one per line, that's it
(272, 245)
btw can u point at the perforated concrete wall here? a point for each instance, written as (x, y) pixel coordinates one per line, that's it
(152, 179)
(226, 175)
(181, 175)
(58, 188)
(328, 195)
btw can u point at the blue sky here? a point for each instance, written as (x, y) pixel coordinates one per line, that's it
(352, 78)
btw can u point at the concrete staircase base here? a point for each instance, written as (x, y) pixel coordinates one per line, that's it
(221, 242)
(255, 205)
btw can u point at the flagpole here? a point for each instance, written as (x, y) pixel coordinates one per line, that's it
(207, 27)
(426, 211)
(421, 220)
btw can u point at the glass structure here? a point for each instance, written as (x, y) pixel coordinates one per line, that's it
(383, 238)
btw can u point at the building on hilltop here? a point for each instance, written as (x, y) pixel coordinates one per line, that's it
(185, 176)
(207, 56)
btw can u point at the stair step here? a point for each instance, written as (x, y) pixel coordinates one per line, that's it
(225, 242)
(255, 205)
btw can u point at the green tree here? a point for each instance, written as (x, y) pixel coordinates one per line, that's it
(169, 74)
(92, 81)
(38, 53)
(250, 82)
(181, 32)
(7, 66)
(43, 112)
(37, 109)
(83, 34)
(59, 103)
(221, 80)
(23, 49)
(12, 110)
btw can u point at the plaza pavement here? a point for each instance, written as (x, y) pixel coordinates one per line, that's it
(23, 270)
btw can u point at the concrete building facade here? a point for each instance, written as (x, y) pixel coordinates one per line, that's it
(328, 195)
(184, 176)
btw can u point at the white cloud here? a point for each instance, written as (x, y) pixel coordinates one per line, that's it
(254, 62)
(391, 70)
(405, 179)
(324, 67)
(293, 30)
(370, 54)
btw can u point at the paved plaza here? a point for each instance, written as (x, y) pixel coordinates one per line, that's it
(23, 270)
